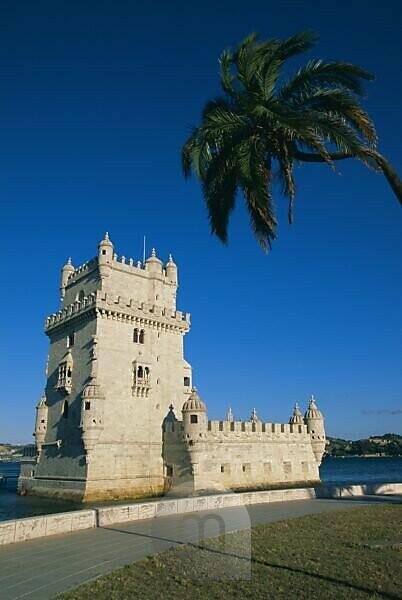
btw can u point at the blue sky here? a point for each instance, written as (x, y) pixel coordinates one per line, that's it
(96, 100)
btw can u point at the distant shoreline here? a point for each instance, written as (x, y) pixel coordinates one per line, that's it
(364, 456)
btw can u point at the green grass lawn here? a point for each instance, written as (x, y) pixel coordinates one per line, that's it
(355, 553)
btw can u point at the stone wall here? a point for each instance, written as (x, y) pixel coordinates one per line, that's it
(35, 527)
(238, 455)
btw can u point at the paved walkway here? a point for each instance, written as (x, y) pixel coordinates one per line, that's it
(43, 568)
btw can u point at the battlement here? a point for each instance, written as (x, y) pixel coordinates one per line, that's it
(120, 263)
(225, 428)
(82, 270)
(238, 429)
(122, 308)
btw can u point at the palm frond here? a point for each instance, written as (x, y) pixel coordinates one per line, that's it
(226, 62)
(318, 73)
(296, 44)
(316, 116)
(340, 102)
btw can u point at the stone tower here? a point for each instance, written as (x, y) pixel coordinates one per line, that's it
(315, 427)
(115, 365)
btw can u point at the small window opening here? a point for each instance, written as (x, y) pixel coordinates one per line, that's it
(193, 418)
(87, 405)
(70, 340)
(287, 467)
(142, 337)
(246, 468)
(103, 252)
(187, 381)
(65, 409)
(135, 336)
(169, 471)
(222, 468)
(42, 420)
(220, 425)
(232, 426)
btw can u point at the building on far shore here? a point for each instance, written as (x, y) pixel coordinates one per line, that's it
(120, 417)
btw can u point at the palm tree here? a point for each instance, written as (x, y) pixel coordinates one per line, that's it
(263, 125)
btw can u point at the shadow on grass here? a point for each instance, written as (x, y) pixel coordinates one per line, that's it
(263, 563)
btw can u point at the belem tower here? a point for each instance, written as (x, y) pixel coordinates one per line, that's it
(120, 417)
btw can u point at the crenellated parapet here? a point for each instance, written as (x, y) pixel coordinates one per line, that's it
(83, 270)
(238, 430)
(246, 429)
(120, 308)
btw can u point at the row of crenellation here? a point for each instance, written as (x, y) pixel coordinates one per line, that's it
(112, 301)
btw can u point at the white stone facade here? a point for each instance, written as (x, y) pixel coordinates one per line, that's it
(106, 426)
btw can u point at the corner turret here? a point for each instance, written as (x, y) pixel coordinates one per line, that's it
(105, 256)
(297, 417)
(66, 271)
(153, 264)
(92, 405)
(171, 271)
(314, 420)
(194, 414)
(40, 424)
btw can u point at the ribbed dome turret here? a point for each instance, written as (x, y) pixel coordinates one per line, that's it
(153, 264)
(153, 258)
(171, 270)
(68, 267)
(312, 412)
(106, 242)
(194, 403)
(92, 389)
(66, 273)
(297, 417)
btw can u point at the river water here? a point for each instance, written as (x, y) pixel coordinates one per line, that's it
(333, 470)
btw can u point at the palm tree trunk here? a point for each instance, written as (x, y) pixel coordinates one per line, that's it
(383, 164)
(389, 173)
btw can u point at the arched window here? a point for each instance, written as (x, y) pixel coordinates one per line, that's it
(135, 336)
(146, 373)
(142, 337)
(65, 409)
(140, 372)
